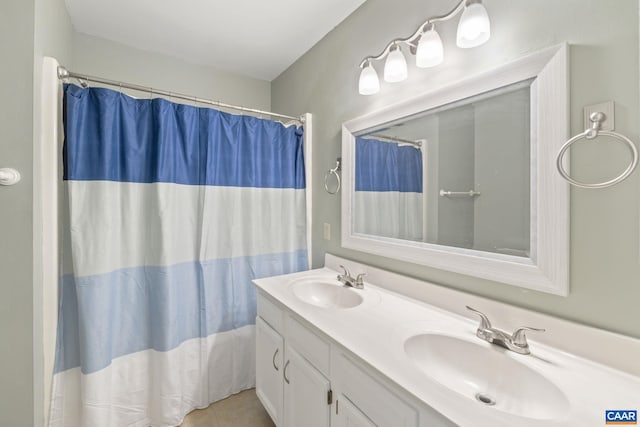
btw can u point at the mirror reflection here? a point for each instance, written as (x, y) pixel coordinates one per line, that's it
(458, 175)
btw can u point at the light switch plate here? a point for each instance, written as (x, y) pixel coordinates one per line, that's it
(608, 108)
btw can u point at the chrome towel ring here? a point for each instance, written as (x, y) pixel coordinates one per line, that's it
(591, 133)
(333, 172)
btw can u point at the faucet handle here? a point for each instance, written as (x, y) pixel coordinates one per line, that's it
(485, 323)
(359, 281)
(520, 339)
(345, 271)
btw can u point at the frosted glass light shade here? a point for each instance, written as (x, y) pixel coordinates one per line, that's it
(395, 67)
(369, 83)
(474, 27)
(430, 52)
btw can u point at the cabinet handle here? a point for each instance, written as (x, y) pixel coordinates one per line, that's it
(285, 372)
(274, 359)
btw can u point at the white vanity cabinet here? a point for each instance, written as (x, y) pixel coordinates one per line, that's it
(365, 398)
(363, 392)
(348, 415)
(391, 361)
(306, 393)
(269, 364)
(292, 365)
(304, 379)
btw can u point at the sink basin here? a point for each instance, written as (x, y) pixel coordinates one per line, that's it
(487, 375)
(326, 294)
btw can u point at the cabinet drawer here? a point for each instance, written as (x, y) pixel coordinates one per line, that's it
(270, 312)
(310, 346)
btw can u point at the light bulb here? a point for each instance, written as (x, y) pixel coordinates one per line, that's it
(369, 83)
(430, 52)
(395, 68)
(474, 27)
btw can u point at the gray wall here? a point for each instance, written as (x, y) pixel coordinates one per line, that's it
(31, 29)
(53, 31)
(16, 300)
(502, 159)
(115, 61)
(456, 172)
(605, 260)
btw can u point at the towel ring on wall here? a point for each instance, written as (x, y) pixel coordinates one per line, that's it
(333, 172)
(591, 133)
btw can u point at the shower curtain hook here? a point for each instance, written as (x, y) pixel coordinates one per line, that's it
(150, 93)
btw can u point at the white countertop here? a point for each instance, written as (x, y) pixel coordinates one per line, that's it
(376, 331)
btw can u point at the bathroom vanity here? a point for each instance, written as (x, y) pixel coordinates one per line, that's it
(330, 355)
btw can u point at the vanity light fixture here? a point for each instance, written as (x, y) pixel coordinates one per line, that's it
(395, 67)
(430, 51)
(474, 29)
(369, 82)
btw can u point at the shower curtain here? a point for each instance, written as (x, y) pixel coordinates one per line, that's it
(388, 199)
(172, 210)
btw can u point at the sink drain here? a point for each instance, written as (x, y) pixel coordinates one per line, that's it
(486, 399)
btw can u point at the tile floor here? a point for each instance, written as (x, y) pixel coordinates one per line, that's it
(240, 410)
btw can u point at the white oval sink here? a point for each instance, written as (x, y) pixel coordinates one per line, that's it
(487, 375)
(326, 294)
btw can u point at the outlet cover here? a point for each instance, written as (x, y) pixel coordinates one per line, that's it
(326, 231)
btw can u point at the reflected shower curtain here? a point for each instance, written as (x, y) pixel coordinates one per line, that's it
(172, 211)
(388, 199)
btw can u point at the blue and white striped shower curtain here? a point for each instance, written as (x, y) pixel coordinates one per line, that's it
(388, 198)
(172, 211)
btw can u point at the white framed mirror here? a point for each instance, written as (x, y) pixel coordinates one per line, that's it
(463, 178)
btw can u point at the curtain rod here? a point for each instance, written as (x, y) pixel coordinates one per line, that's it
(393, 139)
(64, 74)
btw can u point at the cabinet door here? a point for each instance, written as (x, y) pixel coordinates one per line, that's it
(347, 415)
(306, 393)
(269, 365)
(371, 394)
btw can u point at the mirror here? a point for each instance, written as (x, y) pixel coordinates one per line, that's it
(463, 178)
(446, 176)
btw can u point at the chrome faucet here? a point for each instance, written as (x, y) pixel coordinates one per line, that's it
(515, 342)
(348, 280)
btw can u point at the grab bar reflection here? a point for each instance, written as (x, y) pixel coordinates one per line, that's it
(470, 193)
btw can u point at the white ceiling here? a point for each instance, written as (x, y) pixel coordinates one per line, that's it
(256, 38)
